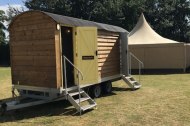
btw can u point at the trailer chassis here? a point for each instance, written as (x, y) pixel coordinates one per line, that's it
(30, 96)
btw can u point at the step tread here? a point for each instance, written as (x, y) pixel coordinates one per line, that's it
(132, 82)
(128, 77)
(137, 86)
(86, 107)
(75, 93)
(82, 99)
(72, 88)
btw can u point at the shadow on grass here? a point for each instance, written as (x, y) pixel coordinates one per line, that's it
(57, 108)
(160, 71)
(122, 89)
(6, 66)
(108, 94)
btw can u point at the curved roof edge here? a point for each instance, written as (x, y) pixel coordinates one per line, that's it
(142, 33)
(76, 22)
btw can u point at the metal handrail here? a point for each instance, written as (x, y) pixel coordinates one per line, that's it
(65, 75)
(137, 58)
(141, 64)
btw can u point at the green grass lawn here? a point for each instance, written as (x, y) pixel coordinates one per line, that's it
(5, 82)
(162, 100)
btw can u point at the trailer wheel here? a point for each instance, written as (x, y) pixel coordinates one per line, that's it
(96, 91)
(3, 109)
(107, 87)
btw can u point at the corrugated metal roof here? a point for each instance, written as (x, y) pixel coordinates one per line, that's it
(75, 22)
(80, 22)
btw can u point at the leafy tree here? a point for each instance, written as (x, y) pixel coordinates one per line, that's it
(82, 8)
(173, 19)
(108, 11)
(132, 10)
(4, 47)
(54, 6)
(169, 18)
(12, 12)
(2, 27)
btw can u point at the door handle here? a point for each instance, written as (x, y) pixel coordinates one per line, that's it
(96, 52)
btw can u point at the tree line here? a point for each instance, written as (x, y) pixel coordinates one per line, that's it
(169, 18)
(4, 47)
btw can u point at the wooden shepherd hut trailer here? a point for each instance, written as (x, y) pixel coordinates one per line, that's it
(54, 56)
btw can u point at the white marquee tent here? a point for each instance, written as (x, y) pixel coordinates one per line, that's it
(155, 51)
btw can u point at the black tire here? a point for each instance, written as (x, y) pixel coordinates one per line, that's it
(96, 91)
(3, 109)
(107, 87)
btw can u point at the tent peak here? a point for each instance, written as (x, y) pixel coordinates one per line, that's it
(142, 23)
(142, 33)
(142, 16)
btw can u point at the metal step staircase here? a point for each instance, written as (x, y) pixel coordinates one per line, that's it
(129, 79)
(131, 82)
(81, 100)
(76, 96)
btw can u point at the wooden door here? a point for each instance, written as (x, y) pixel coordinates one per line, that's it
(86, 54)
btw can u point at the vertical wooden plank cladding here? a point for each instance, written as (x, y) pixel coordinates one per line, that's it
(108, 54)
(58, 58)
(33, 50)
